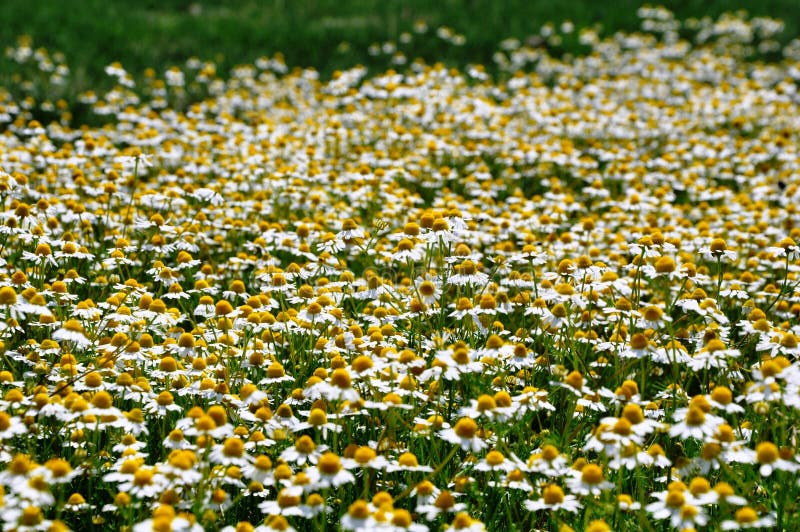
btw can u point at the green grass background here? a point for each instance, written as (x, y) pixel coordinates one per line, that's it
(159, 33)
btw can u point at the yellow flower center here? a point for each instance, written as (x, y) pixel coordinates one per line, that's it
(73, 325)
(168, 365)
(699, 485)
(633, 413)
(31, 516)
(158, 306)
(445, 500)
(652, 313)
(486, 403)
(622, 427)
(58, 467)
(282, 472)
(722, 395)
(164, 398)
(205, 423)
(263, 463)
(341, 378)
(592, 474)
(718, 245)
(665, 264)
(275, 371)
(710, 450)
(688, 511)
(695, 417)
(286, 500)
(182, 459)
(143, 477)
(724, 489)
(358, 510)
(362, 363)
(766, 452)
(223, 308)
(552, 494)
(317, 417)
(770, 368)
(401, 518)
(675, 499)
(466, 428)
(746, 515)
(233, 447)
(278, 522)
(407, 460)
(467, 267)
(575, 380)
(93, 380)
(426, 288)
(186, 341)
(462, 521)
(424, 488)
(364, 455)
(495, 458)
(638, 341)
(102, 399)
(329, 464)
(549, 452)
(305, 445)
(8, 296)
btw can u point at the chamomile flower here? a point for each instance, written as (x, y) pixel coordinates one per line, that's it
(407, 461)
(465, 434)
(72, 331)
(548, 461)
(770, 459)
(746, 518)
(329, 472)
(304, 451)
(695, 424)
(444, 503)
(231, 452)
(11, 426)
(495, 461)
(552, 498)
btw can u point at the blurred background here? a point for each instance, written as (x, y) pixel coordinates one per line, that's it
(85, 36)
(325, 34)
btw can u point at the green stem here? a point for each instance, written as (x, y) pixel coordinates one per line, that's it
(132, 193)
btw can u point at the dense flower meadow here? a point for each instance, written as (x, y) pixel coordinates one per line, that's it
(567, 298)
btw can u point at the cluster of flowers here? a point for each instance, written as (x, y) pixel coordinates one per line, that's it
(410, 301)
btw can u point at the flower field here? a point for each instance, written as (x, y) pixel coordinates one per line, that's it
(566, 296)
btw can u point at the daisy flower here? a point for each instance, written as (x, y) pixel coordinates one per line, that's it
(588, 481)
(746, 518)
(444, 503)
(495, 461)
(303, 451)
(329, 472)
(553, 499)
(695, 424)
(770, 459)
(465, 434)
